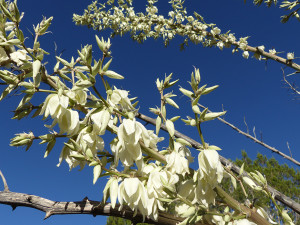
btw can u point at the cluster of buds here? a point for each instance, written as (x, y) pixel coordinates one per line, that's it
(23, 139)
(195, 96)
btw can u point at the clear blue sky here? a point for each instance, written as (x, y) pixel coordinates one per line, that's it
(248, 88)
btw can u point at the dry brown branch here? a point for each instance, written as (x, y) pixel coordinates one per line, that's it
(278, 195)
(85, 206)
(256, 140)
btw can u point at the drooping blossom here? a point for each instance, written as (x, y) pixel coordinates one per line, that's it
(132, 192)
(19, 56)
(119, 98)
(128, 148)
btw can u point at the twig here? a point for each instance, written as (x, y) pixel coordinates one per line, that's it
(254, 132)
(289, 84)
(246, 125)
(287, 143)
(6, 189)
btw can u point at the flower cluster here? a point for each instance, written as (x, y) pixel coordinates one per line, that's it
(128, 147)
(56, 105)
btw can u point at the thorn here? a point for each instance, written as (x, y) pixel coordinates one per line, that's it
(28, 199)
(85, 199)
(13, 207)
(48, 214)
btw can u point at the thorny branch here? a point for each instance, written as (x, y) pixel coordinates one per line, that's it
(85, 206)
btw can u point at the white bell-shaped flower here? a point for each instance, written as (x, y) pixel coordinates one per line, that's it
(77, 95)
(133, 193)
(54, 105)
(120, 99)
(90, 141)
(186, 189)
(210, 167)
(155, 184)
(128, 149)
(19, 56)
(72, 162)
(176, 163)
(184, 151)
(101, 120)
(68, 122)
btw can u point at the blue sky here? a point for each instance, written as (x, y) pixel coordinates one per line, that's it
(248, 88)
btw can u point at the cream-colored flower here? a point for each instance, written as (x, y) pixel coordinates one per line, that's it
(68, 122)
(210, 167)
(90, 141)
(120, 99)
(176, 163)
(133, 193)
(156, 182)
(54, 105)
(220, 45)
(19, 56)
(184, 151)
(77, 95)
(215, 31)
(186, 189)
(290, 56)
(72, 162)
(246, 54)
(101, 120)
(261, 48)
(128, 148)
(204, 193)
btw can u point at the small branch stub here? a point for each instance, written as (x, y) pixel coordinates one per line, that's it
(6, 189)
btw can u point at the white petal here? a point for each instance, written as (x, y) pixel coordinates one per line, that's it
(113, 192)
(131, 185)
(129, 126)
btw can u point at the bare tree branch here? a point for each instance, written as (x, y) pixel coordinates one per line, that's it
(256, 140)
(278, 195)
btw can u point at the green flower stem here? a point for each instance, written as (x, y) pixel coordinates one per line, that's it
(46, 91)
(26, 49)
(238, 179)
(199, 130)
(154, 154)
(234, 204)
(100, 96)
(184, 200)
(273, 200)
(162, 104)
